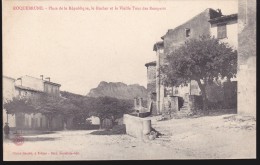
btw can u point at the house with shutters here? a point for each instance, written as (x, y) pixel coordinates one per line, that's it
(208, 22)
(30, 87)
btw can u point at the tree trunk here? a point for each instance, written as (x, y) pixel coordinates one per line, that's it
(101, 122)
(49, 123)
(113, 122)
(204, 96)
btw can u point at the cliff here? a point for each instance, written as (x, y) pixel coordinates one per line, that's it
(118, 90)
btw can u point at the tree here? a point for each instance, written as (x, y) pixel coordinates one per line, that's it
(51, 106)
(18, 105)
(48, 105)
(109, 108)
(80, 101)
(204, 60)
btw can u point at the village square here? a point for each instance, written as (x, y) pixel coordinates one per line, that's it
(198, 103)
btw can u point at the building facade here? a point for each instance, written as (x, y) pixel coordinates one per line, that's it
(8, 94)
(151, 85)
(30, 87)
(38, 85)
(209, 22)
(247, 57)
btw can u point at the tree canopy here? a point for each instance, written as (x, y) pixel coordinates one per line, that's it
(203, 60)
(19, 105)
(70, 105)
(110, 108)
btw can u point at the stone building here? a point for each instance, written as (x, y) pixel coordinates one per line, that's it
(8, 94)
(30, 87)
(151, 85)
(247, 57)
(209, 22)
(38, 84)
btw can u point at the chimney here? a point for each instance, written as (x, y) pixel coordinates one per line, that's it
(21, 81)
(41, 76)
(48, 78)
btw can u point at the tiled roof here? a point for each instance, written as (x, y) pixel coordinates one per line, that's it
(223, 18)
(9, 77)
(48, 82)
(211, 12)
(153, 63)
(44, 81)
(27, 88)
(158, 44)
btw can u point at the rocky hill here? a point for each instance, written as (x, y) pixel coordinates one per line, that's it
(118, 90)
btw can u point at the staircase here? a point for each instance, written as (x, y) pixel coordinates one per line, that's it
(183, 112)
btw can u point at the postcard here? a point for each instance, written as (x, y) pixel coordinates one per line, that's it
(129, 80)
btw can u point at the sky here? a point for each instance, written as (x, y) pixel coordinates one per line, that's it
(78, 49)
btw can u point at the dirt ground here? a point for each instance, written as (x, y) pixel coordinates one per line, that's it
(210, 137)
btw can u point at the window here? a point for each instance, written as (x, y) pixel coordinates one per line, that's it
(187, 32)
(222, 31)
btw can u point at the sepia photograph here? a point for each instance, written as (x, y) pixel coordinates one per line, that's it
(128, 80)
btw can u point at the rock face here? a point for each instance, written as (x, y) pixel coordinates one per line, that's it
(118, 90)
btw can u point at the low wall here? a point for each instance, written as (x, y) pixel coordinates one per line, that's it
(230, 95)
(195, 103)
(136, 126)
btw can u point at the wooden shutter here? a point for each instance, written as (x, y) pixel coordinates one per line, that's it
(222, 31)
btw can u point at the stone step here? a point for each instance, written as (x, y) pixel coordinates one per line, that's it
(186, 109)
(183, 111)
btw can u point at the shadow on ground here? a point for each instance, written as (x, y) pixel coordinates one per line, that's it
(30, 136)
(35, 133)
(34, 139)
(116, 130)
(29, 139)
(215, 112)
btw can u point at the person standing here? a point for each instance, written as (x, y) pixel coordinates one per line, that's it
(6, 130)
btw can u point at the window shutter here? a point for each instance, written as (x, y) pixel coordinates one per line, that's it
(222, 31)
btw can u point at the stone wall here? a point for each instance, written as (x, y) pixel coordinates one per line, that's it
(198, 25)
(136, 126)
(230, 95)
(152, 103)
(220, 96)
(232, 30)
(52, 89)
(151, 78)
(214, 92)
(246, 30)
(8, 94)
(171, 104)
(151, 86)
(195, 103)
(246, 76)
(32, 82)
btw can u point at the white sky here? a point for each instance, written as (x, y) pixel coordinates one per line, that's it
(78, 49)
